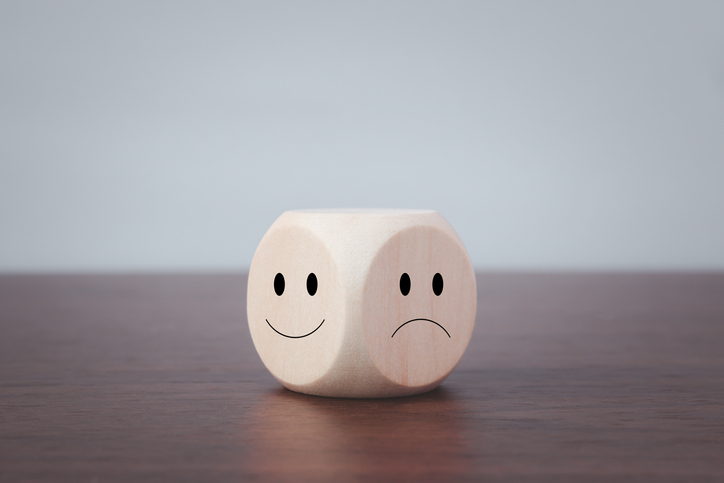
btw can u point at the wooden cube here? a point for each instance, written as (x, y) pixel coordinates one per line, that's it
(361, 303)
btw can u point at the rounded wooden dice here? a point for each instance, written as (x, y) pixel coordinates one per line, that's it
(361, 303)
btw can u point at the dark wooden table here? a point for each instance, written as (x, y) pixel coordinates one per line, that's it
(568, 377)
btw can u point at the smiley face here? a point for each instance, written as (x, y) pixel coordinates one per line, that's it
(294, 305)
(419, 306)
(279, 285)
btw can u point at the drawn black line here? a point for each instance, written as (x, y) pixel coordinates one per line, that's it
(298, 336)
(413, 320)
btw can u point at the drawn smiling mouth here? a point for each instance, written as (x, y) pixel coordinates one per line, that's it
(415, 320)
(298, 336)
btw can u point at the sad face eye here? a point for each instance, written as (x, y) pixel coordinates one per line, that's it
(405, 284)
(437, 284)
(279, 284)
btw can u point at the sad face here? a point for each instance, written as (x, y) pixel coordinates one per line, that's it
(419, 306)
(437, 285)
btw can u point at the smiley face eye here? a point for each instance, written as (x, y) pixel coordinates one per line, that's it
(279, 284)
(405, 284)
(312, 284)
(437, 284)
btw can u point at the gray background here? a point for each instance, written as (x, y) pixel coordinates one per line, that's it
(169, 136)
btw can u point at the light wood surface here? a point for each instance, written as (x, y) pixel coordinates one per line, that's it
(360, 331)
(611, 377)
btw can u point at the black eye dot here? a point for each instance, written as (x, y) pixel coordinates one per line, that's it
(279, 284)
(437, 284)
(312, 284)
(405, 284)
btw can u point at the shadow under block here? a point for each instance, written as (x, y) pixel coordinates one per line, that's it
(361, 303)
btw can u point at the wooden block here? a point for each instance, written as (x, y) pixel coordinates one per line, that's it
(361, 303)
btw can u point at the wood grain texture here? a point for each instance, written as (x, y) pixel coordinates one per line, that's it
(338, 341)
(567, 378)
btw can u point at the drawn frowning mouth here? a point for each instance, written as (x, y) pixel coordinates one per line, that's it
(299, 336)
(415, 320)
